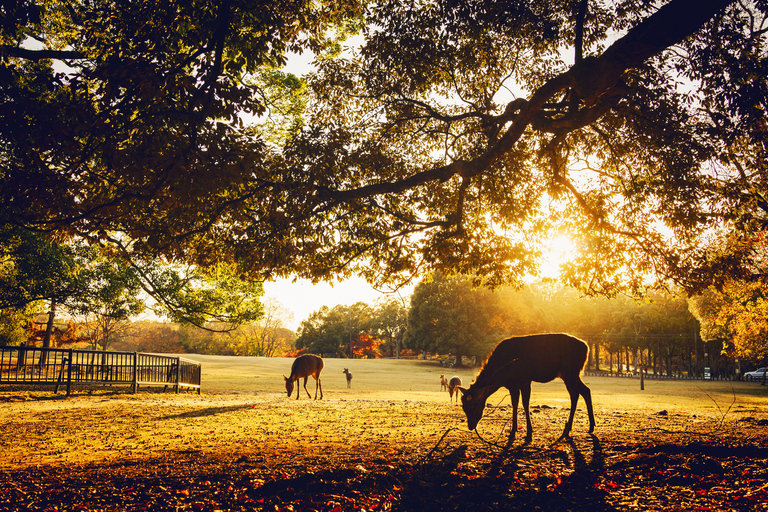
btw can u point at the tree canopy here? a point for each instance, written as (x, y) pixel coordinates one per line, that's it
(448, 316)
(455, 136)
(337, 332)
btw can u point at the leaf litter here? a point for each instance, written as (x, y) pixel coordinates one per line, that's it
(164, 452)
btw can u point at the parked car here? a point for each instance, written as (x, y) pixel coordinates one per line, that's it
(755, 375)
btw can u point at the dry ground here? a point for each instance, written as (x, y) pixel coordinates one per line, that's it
(702, 448)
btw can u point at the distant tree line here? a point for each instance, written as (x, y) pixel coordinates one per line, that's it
(359, 330)
(448, 316)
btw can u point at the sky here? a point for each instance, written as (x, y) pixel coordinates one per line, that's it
(303, 298)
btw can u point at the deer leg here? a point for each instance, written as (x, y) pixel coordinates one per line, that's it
(320, 385)
(573, 391)
(587, 394)
(309, 395)
(526, 392)
(514, 394)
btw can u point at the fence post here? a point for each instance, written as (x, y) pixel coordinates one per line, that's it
(178, 373)
(69, 372)
(135, 379)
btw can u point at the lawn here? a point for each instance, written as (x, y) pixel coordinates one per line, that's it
(420, 380)
(392, 442)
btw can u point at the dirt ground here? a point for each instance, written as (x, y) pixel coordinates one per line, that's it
(230, 452)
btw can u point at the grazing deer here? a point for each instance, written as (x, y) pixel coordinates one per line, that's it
(515, 363)
(349, 378)
(453, 386)
(443, 383)
(303, 367)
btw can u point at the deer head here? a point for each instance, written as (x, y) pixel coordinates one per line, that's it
(473, 402)
(288, 385)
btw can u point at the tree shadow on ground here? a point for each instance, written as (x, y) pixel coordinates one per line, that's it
(573, 475)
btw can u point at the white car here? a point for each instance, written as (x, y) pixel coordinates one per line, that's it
(755, 375)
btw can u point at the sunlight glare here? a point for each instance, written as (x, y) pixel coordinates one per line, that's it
(558, 250)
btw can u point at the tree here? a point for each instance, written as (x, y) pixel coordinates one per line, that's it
(449, 316)
(271, 339)
(215, 297)
(461, 133)
(112, 297)
(267, 337)
(735, 317)
(149, 336)
(129, 117)
(454, 138)
(390, 320)
(33, 269)
(335, 332)
(13, 324)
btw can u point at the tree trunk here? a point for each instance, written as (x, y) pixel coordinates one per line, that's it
(48, 334)
(596, 348)
(49, 326)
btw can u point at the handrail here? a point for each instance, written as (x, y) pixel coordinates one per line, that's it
(57, 367)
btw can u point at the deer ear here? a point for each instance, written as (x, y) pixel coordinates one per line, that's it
(286, 378)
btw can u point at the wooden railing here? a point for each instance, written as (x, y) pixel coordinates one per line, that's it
(67, 367)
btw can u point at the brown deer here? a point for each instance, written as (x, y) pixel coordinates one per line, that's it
(515, 363)
(453, 386)
(303, 367)
(443, 383)
(349, 378)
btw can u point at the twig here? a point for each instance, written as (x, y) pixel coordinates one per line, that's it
(502, 428)
(723, 414)
(489, 443)
(434, 448)
(756, 490)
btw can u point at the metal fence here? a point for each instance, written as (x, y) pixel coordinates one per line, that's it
(67, 367)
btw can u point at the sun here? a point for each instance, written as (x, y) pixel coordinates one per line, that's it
(557, 251)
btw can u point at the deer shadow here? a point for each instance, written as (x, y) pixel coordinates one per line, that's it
(441, 484)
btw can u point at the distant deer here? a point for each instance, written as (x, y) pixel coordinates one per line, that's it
(515, 363)
(349, 378)
(453, 386)
(303, 367)
(443, 383)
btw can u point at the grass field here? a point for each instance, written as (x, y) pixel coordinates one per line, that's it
(392, 442)
(420, 380)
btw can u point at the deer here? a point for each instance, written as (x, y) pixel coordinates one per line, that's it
(516, 362)
(443, 383)
(302, 367)
(453, 387)
(349, 377)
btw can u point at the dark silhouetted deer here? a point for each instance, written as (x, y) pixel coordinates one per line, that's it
(443, 383)
(516, 362)
(303, 367)
(349, 378)
(453, 386)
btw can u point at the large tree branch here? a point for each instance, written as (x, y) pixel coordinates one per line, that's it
(37, 55)
(592, 77)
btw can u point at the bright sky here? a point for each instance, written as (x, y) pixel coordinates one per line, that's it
(303, 298)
